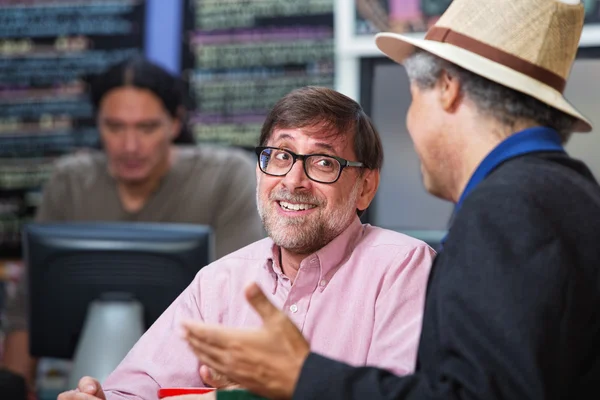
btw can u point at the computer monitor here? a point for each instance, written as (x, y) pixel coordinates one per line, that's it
(72, 266)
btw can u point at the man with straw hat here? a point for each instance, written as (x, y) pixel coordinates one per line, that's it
(513, 301)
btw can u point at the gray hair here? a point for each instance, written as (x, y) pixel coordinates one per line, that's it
(492, 99)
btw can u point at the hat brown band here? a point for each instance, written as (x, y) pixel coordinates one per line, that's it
(447, 35)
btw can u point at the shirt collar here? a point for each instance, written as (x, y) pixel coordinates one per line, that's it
(329, 258)
(336, 252)
(531, 140)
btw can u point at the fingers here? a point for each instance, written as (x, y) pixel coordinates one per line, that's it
(70, 395)
(260, 303)
(212, 335)
(206, 375)
(87, 389)
(211, 356)
(213, 345)
(210, 377)
(85, 396)
(213, 378)
(76, 395)
(206, 342)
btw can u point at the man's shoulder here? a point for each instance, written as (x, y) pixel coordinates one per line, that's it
(535, 172)
(534, 180)
(534, 198)
(384, 255)
(376, 237)
(81, 163)
(258, 251)
(211, 156)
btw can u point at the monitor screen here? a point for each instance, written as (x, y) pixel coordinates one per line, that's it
(72, 264)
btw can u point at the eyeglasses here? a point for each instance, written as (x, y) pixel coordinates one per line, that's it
(320, 168)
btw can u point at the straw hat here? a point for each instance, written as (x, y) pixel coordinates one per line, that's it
(526, 45)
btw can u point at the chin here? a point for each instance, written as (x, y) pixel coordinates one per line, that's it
(435, 192)
(298, 247)
(438, 191)
(133, 179)
(431, 186)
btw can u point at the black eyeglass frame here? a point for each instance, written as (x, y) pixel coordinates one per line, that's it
(343, 162)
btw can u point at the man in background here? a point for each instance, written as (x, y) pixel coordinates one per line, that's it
(142, 175)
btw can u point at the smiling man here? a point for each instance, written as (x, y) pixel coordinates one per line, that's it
(355, 291)
(513, 300)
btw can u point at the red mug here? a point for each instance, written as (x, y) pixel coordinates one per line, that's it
(169, 392)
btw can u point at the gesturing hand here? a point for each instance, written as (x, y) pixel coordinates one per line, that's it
(266, 361)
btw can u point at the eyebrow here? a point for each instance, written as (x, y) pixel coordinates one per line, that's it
(108, 120)
(322, 145)
(117, 121)
(149, 122)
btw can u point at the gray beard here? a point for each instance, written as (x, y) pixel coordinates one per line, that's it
(305, 235)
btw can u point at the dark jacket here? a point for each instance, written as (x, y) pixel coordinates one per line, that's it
(513, 302)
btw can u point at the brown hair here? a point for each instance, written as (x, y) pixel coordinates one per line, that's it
(313, 106)
(141, 73)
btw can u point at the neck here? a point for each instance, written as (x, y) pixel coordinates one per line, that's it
(134, 195)
(478, 138)
(290, 263)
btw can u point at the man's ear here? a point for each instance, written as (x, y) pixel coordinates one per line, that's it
(449, 93)
(178, 122)
(370, 184)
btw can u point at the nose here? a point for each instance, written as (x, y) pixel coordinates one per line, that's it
(131, 142)
(296, 179)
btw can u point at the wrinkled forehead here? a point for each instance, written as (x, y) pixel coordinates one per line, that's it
(314, 137)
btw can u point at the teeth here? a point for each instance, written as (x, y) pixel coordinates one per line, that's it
(295, 207)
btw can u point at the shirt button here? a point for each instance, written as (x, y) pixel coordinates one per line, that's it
(323, 283)
(294, 308)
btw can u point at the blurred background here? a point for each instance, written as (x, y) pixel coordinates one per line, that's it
(236, 57)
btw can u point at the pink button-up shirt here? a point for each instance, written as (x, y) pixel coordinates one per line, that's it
(359, 299)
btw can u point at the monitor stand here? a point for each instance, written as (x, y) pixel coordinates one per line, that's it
(112, 326)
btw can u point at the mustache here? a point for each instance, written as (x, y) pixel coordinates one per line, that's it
(284, 195)
(126, 160)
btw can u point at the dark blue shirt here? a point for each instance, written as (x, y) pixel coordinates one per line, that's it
(531, 140)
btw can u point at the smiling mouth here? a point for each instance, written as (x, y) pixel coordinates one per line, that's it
(295, 206)
(131, 164)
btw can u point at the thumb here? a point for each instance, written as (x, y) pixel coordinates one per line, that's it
(206, 375)
(212, 378)
(91, 386)
(260, 303)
